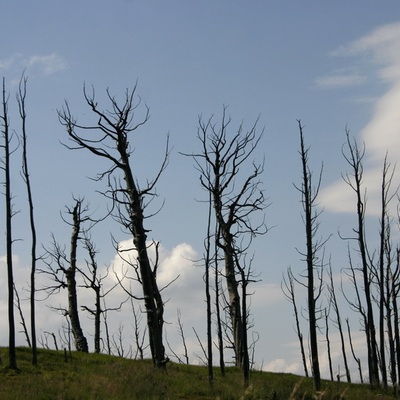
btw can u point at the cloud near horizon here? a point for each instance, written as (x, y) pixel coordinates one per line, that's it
(381, 134)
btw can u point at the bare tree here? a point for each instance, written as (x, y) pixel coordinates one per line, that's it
(314, 281)
(139, 337)
(207, 262)
(109, 140)
(65, 270)
(384, 265)
(92, 280)
(21, 316)
(21, 97)
(328, 342)
(337, 320)
(6, 166)
(288, 289)
(220, 165)
(354, 157)
(356, 359)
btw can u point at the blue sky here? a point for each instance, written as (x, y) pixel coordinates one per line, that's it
(330, 64)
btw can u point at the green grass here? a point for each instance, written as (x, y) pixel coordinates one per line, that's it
(98, 376)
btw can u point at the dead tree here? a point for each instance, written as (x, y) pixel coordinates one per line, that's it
(235, 202)
(383, 267)
(22, 318)
(108, 138)
(21, 97)
(356, 359)
(218, 289)
(207, 268)
(64, 272)
(288, 290)
(337, 320)
(396, 319)
(354, 157)
(6, 166)
(314, 270)
(92, 280)
(139, 337)
(328, 342)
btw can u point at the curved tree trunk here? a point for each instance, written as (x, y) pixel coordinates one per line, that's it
(80, 340)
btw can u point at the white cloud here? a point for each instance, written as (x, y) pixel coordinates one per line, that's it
(9, 62)
(381, 134)
(339, 80)
(47, 64)
(282, 365)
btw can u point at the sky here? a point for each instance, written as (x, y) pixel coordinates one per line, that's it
(333, 65)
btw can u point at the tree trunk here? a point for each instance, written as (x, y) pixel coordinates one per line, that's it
(9, 240)
(152, 298)
(308, 199)
(80, 340)
(25, 172)
(234, 298)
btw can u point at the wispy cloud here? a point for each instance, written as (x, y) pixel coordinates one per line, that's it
(11, 61)
(381, 134)
(339, 80)
(44, 64)
(48, 64)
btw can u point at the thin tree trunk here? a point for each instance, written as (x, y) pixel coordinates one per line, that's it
(338, 321)
(328, 344)
(355, 161)
(219, 321)
(9, 240)
(25, 172)
(208, 295)
(356, 359)
(245, 358)
(308, 199)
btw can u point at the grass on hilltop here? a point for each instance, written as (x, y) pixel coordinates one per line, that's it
(99, 376)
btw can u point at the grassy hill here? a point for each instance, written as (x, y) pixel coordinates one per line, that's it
(98, 376)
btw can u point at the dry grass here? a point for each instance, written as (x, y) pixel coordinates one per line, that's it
(96, 376)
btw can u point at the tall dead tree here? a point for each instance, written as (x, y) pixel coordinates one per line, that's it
(108, 138)
(354, 157)
(236, 197)
(382, 268)
(309, 194)
(6, 166)
(21, 97)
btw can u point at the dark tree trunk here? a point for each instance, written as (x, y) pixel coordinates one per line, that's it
(208, 294)
(9, 240)
(25, 172)
(308, 201)
(218, 315)
(328, 345)
(290, 295)
(70, 274)
(234, 297)
(244, 325)
(152, 297)
(338, 322)
(355, 161)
